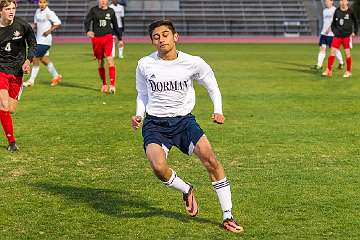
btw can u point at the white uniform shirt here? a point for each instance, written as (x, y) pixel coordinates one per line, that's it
(165, 88)
(328, 14)
(119, 13)
(44, 20)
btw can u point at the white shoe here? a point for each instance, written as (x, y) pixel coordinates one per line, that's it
(28, 84)
(112, 89)
(104, 88)
(327, 73)
(121, 56)
(347, 74)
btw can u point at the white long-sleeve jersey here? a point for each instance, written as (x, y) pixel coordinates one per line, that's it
(328, 14)
(44, 19)
(119, 13)
(165, 88)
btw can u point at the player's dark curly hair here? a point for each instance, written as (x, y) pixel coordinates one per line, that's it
(5, 3)
(162, 22)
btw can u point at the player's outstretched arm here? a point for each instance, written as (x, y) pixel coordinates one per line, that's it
(136, 121)
(218, 118)
(208, 80)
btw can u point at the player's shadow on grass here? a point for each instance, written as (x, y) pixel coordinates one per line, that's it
(120, 204)
(296, 67)
(296, 64)
(301, 70)
(72, 85)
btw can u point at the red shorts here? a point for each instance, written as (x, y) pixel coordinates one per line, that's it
(12, 83)
(102, 46)
(337, 42)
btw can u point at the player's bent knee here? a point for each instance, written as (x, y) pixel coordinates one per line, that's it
(4, 105)
(45, 62)
(347, 53)
(12, 109)
(36, 61)
(12, 105)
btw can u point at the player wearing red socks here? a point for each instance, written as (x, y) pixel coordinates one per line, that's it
(15, 36)
(344, 26)
(104, 23)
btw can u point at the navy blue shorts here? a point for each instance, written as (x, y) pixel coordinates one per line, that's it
(41, 50)
(183, 132)
(121, 31)
(327, 40)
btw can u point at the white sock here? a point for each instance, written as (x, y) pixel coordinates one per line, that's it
(34, 73)
(177, 183)
(113, 48)
(321, 58)
(222, 189)
(52, 70)
(121, 51)
(339, 56)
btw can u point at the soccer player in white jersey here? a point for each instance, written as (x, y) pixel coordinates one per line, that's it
(164, 82)
(327, 35)
(45, 21)
(120, 16)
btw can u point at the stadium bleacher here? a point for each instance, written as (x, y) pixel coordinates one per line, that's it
(71, 13)
(227, 17)
(193, 17)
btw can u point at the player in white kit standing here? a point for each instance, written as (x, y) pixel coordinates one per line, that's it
(120, 16)
(327, 36)
(45, 21)
(166, 95)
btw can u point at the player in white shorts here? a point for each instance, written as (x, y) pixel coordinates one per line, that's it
(45, 21)
(166, 95)
(120, 16)
(327, 35)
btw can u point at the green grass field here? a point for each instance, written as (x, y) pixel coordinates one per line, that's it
(290, 147)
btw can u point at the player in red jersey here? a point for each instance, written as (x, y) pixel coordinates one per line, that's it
(344, 26)
(104, 23)
(15, 36)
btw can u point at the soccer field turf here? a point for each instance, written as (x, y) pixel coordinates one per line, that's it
(290, 148)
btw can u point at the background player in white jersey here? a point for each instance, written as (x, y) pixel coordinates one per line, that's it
(120, 16)
(327, 35)
(45, 21)
(164, 82)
